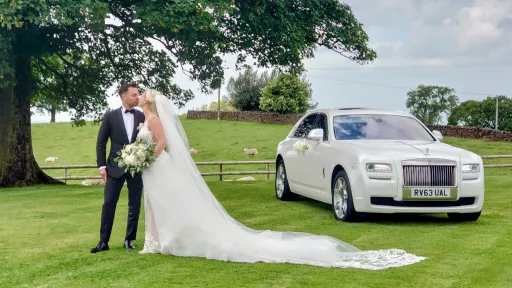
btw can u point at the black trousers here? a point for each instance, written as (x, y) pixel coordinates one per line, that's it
(112, 191)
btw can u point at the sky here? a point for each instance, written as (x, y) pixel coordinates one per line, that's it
(462, 44)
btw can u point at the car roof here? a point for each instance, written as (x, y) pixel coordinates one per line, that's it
(358, 110)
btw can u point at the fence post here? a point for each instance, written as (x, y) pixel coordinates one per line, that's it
(65, 175)
(220, 170)
(268, 171)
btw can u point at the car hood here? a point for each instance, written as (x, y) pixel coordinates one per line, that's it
(394, 149)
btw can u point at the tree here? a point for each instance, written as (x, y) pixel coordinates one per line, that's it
(467, 113)
(287, 94)
(429, 103)
(244, 91)
(192, 35)
(48, 96)
(225, 105)
(483, 113)
(46, 104)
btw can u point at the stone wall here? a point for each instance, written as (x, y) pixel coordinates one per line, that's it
(473, 133)
(246, 116)
(271, 118)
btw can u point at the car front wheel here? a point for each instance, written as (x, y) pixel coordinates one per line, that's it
(283, 191)
(342, 203)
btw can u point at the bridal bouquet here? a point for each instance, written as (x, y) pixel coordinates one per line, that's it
(136, 157)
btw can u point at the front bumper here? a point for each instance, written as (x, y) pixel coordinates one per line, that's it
(386, 196)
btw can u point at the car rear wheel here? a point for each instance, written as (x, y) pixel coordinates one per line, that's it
(464, 216)
(283, 191)
(342, 203)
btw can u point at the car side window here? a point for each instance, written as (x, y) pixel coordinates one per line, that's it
(305, 126)
(321, 123)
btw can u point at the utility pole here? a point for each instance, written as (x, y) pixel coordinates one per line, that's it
(496, 122)
(218, 96)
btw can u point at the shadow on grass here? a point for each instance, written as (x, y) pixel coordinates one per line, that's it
(388, 219)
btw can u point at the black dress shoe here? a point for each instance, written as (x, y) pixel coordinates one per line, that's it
(102, 246)
(128, 244)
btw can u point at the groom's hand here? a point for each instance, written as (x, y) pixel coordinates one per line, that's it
(103, 174)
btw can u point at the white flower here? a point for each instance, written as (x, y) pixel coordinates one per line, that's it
(301, 147)
(130, 159)
(136, 157)
(140, 126)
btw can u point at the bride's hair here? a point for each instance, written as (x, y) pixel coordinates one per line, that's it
(150, 95)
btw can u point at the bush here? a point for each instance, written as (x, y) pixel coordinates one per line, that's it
(287, 94)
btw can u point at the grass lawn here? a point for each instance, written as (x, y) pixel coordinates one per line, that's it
(47, 231)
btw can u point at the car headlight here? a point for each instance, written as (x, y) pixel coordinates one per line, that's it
(376, 167)
(470, 168)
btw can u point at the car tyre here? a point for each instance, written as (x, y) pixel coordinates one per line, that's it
(282, 188)
(342, 202)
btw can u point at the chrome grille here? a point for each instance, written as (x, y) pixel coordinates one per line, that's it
(429, 176)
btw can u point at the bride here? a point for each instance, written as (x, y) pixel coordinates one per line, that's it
(183, 218)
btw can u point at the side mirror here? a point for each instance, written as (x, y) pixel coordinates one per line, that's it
(438, 135)
(316, 135)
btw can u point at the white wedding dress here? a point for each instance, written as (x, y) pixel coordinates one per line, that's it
(183, 218)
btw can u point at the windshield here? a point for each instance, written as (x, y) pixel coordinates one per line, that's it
(379, 127)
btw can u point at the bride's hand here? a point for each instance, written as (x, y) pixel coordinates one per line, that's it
(158, 133)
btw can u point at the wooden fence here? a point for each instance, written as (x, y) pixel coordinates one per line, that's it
(221, 164)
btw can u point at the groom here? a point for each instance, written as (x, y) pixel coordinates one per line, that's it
(120, 126)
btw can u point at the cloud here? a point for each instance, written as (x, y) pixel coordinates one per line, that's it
(453, 32)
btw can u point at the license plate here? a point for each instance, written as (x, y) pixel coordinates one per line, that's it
(430, 193)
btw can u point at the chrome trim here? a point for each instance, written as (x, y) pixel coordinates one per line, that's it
(430, 173)
(429, 162)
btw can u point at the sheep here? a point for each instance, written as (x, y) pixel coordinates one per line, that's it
(248, 178)
(90, 182)
(52, 159)
(250, 151)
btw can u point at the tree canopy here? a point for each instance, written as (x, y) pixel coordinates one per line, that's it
(99, 43)
(225, 106)
(244, 90)
(429, 103)
(483, 113)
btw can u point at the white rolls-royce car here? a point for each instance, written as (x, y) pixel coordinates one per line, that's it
(372, 161)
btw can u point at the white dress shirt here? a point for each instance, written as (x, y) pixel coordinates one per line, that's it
(129, 119)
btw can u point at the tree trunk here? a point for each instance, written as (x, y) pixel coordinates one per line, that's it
(52, 115)
(18, 166)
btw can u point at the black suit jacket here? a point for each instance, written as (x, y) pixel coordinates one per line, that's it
(112, 127)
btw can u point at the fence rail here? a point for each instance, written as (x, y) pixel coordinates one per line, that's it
(221, 173)
(496, 157)
(221, 165)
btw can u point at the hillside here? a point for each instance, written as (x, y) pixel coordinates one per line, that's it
(215, 141)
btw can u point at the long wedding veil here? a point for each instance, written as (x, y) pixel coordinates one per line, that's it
(213, 229)
(165, 109)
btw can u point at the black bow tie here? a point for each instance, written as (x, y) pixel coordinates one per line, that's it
(129, 111)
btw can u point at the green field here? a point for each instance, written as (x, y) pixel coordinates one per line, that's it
(215, 141)
(46, 231)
